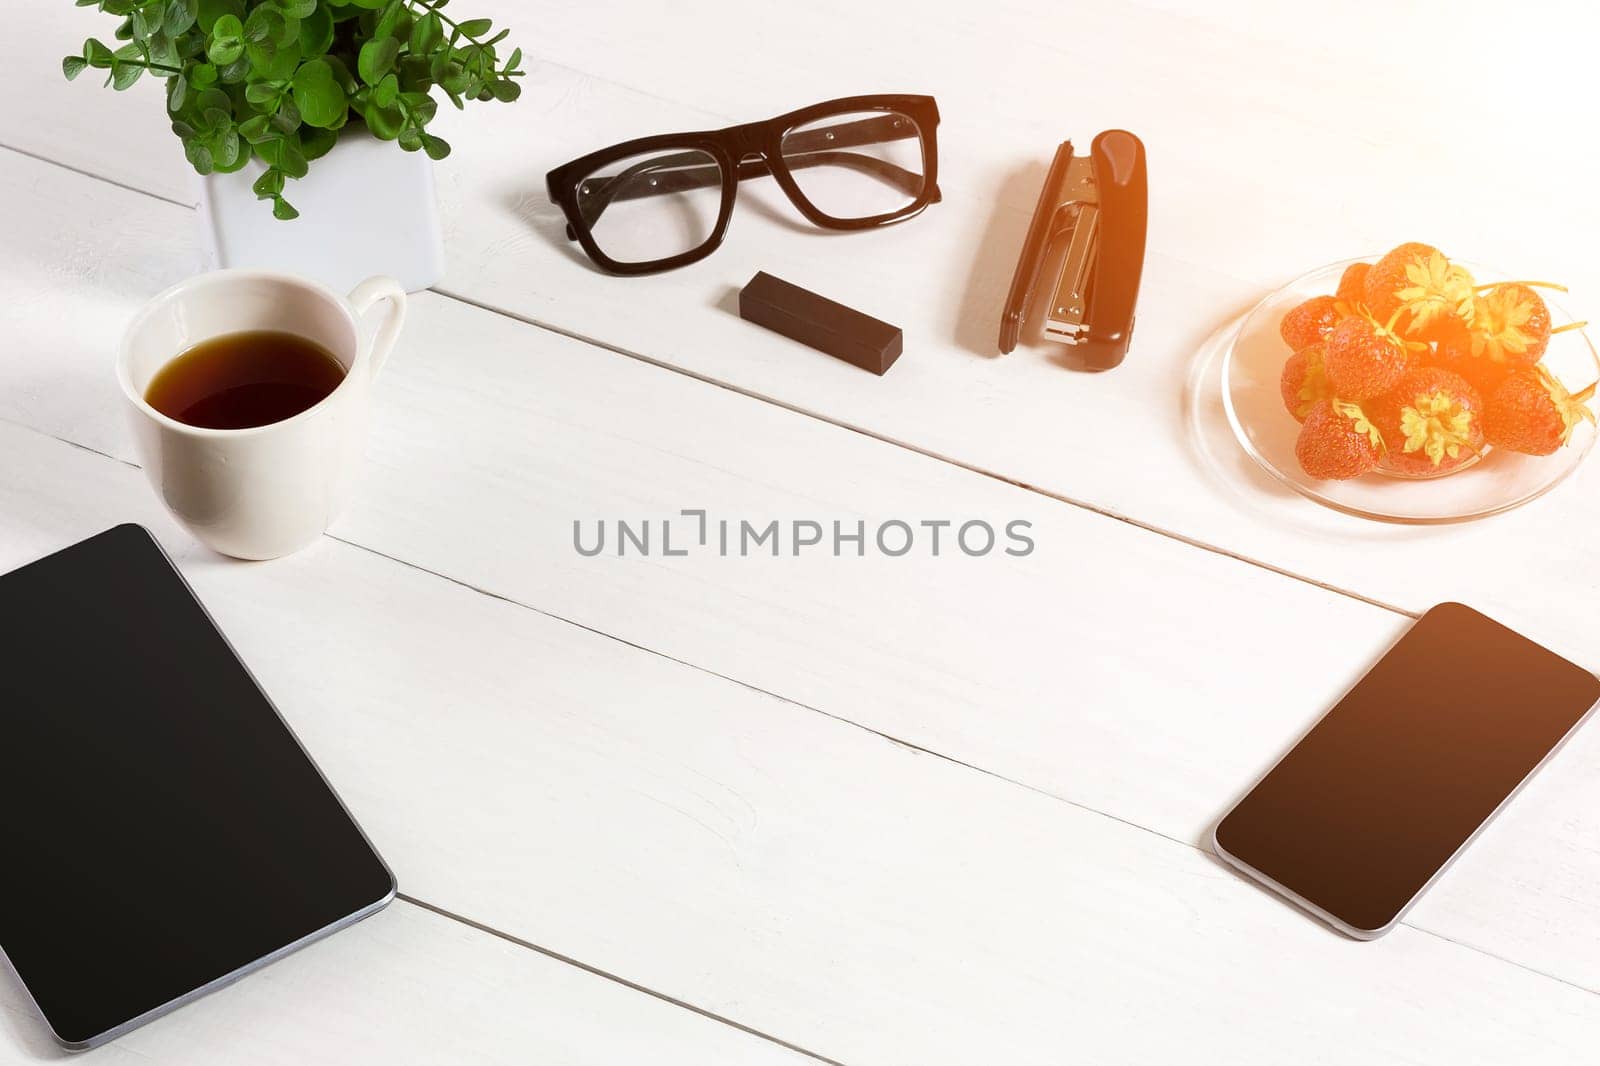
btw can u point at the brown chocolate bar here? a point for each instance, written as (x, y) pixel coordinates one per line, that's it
(842, 332)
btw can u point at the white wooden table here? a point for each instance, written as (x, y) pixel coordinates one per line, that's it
(918, 810)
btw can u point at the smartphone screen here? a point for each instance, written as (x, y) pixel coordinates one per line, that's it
(1361, 816)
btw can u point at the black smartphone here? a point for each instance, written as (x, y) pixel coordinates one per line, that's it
(1360, 818)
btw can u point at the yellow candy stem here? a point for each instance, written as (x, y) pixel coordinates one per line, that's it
(1530, 284)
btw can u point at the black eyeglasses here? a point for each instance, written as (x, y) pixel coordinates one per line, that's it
(661, 202)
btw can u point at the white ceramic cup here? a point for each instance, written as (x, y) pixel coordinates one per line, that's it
(265, 491)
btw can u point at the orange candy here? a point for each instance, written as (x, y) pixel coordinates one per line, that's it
(1352, 284)
(1309, 322)
(1304, 382)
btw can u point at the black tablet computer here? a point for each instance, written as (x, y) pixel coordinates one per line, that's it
(162, 830)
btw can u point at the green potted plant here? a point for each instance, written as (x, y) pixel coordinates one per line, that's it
(283, 108)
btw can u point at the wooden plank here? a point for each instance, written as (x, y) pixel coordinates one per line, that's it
(756, 859)
(408, 986)
(1112, 668)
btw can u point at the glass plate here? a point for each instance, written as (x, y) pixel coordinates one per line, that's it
(1498, 482)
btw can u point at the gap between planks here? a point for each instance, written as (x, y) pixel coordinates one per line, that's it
(614, 978)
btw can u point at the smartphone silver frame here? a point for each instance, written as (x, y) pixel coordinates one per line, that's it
(256, 964)
(1328, 917)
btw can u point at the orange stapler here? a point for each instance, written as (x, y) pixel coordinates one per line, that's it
(1096, 207)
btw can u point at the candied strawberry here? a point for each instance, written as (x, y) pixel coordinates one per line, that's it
(1337, 442)
(1364, 359)
(1384, 282)
(1453, 352)
(1431, 422)
(1533, 413)
(1304, 382)
(1352, 284)
(1307, 323)
(1511, 325)
(1437, 297)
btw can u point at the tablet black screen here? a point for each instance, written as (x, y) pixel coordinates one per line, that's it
(162, 828)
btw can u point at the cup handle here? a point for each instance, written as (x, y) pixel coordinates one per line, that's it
(378, 288)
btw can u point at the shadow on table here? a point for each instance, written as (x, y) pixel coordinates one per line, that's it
(977, 325)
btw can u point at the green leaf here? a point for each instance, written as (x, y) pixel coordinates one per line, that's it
(385, 122)
(505, 90)
(426, 33)
(316, 32)
(299, 8)
(199, 157)
(212, 10)
(227, 25)
(97, 54)
(177, 92)
(214, 100)
(262, 92)
(475, 27)
(387, 91)
(268, 185)
(376, 58)
(457, 80)
(203, 76)
(237, 164)
(293, 161)
(284, 62)
(226, 153)
(388, 20)
(181, 14)
(435, 146)
(411, 139)
(234, 72)
(341, 73)
(264, 24)
(256, 128)
(282, 210)
(224, 50)
(261, 55)
(72, 66)
(139, 22)
(124, 74)
(318, 95)
(315, 143)
(370, 5)
(516, 57)
(422, 107)
(413, 72)
(287, 117)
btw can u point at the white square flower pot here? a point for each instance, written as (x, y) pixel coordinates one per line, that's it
(366, 208)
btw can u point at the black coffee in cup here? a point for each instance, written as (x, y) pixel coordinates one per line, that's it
(240, 380)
